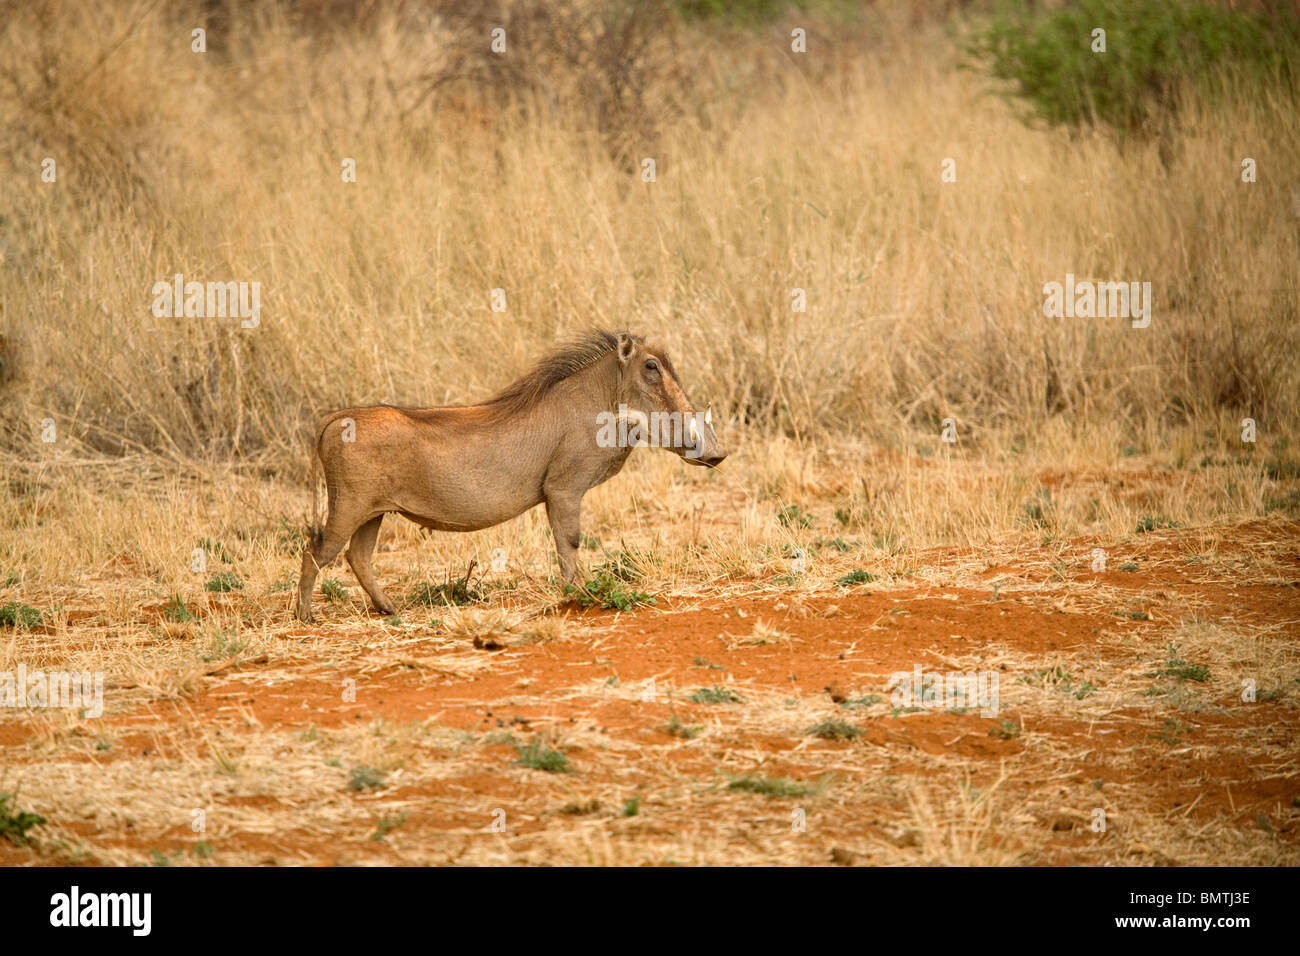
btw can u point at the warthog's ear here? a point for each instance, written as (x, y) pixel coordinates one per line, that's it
(626, 346)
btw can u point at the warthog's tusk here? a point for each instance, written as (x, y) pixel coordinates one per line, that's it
(708, 414)
(695, 432)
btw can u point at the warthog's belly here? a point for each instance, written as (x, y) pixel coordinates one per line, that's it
(473, 523)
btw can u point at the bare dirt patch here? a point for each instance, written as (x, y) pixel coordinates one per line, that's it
(688, 732)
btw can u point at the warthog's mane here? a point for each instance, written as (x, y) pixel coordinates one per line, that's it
(554, 367)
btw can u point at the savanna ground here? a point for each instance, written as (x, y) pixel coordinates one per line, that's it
(745, 715)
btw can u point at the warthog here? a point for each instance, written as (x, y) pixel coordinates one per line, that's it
(554, 434)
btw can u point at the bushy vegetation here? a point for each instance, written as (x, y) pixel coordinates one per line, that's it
(541, 147)
(1153, 50)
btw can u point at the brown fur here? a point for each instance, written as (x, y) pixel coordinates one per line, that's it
(470, 467)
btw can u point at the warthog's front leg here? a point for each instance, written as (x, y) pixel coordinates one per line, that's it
(563, 511)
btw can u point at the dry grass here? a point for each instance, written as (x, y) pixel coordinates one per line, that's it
(924, 297)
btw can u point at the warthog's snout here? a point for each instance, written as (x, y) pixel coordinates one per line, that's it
(702, 446)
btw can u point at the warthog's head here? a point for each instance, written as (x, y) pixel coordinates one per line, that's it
(648, 386)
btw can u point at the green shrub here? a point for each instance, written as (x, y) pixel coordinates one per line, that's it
(1152, 48)
(14, 614)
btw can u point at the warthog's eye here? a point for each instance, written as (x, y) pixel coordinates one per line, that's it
(651, 366)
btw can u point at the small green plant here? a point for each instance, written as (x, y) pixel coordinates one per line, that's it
(609, 591)
(1005, 730)
(1176, 667)
(289, 539)
(366, 778)
(223, 647)
(675, 728)
(1133, 615)
(857, 703)
(1172, 732)
(203, 850)
(387, 825)
(837, 544)
(1148, 523)
(333, 589)
(458, 592)
(887, 542)
(900, 711)
(1039, 511)
(623, 565)
(632, 806)
(537, 755)
(856, 577)
(216, 550)
(177, 610)
(14, 614)
(792, 516)
(224, 582)
(832, 728)
(1129, 566)
(1060, 679)
(285, 582)
(716, 695)
(770, 787)
(15, 823)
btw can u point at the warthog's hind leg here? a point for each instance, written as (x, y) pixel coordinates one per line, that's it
(359, 553)
(315, 557)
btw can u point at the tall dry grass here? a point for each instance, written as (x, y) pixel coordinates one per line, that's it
(775, 172)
